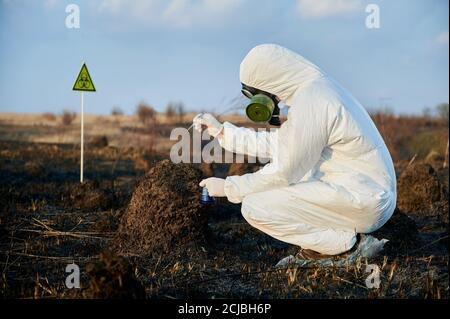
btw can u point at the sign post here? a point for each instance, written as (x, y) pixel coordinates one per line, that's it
(82, 138)
(83, 83)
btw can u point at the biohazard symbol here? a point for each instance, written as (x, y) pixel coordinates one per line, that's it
(84, 81)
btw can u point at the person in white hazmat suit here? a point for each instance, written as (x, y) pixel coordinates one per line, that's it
(331, 176)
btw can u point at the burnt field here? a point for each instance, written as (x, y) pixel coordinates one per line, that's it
(136, 228)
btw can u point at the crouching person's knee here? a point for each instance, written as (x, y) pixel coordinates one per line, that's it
(252, 210)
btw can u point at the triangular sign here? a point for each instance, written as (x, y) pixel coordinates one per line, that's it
(84, 81)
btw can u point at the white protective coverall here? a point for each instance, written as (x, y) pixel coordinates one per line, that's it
(331, 175)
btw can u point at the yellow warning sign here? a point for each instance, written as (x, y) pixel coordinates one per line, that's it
(84, 81)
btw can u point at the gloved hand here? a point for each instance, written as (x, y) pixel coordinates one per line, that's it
(213, 126)
(215, 186)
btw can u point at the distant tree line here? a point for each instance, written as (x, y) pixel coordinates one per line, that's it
(147, 114)
(441, 111)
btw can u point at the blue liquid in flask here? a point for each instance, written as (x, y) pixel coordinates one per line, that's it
(205, 199)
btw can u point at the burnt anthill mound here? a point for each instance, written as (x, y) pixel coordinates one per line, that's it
(164, 211)
(421, 192)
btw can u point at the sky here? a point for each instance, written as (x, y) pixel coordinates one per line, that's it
(161, 51)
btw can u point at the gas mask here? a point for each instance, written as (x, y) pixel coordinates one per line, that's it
(263, 106)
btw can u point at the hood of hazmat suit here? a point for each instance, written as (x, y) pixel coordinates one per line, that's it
(330, 174)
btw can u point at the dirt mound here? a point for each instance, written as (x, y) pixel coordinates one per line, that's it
(420, 190)
(112, 277)
(88, 195)
(164, 211)
(402, 233)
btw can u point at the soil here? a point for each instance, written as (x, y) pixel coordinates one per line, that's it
(420, 191)
(88, 195)
(164, 211)
(41, 231)
(112, 277)
(402, 233)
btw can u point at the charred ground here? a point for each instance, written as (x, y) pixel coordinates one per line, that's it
(135, 233)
